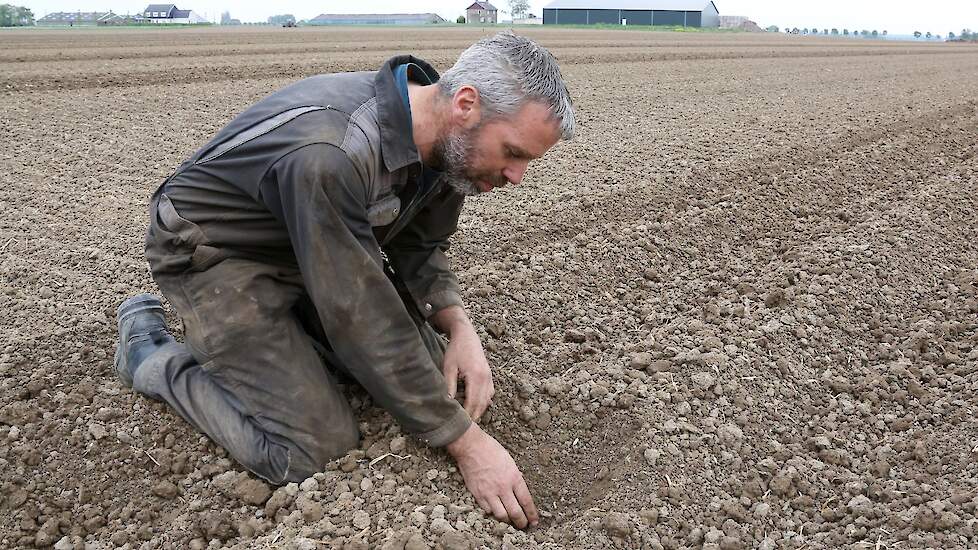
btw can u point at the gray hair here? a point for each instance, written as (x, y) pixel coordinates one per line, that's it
(509, 70)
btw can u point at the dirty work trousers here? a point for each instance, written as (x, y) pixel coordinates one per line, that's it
(256, 371)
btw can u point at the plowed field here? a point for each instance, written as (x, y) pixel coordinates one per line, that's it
(737, 311)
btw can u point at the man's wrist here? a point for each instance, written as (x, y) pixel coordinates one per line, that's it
(464, 443)
(453, 321)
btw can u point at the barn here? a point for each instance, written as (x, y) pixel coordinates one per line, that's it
(681, 13)
(75, 18)
(376, 19)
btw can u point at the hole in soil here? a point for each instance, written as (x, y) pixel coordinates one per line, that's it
(568, 479)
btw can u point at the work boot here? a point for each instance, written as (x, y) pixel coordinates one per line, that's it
(142, 331)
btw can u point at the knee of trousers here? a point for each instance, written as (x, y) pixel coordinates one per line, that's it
(317, 451)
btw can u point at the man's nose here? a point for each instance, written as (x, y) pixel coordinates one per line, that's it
(514, 172)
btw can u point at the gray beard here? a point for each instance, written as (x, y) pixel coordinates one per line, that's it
(451, 156)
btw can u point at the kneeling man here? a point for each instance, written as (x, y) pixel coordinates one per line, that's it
(308, 238)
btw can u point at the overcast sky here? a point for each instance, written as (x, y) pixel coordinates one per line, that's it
(896, 16)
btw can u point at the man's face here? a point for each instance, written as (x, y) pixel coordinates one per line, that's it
(490, 154)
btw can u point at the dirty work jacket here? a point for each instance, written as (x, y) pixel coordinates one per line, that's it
(323, 176)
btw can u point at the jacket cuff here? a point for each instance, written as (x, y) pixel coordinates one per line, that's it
(437, 301)
(447, 432)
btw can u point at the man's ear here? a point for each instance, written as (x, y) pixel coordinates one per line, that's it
(466, 107)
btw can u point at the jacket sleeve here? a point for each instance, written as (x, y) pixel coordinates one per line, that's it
(319, 195)
(417, 254)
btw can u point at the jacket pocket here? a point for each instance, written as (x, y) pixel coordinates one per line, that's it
(182, 232)
(187, 236)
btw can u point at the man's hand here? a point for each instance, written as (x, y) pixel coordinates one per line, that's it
(465, 360)
(493, 478)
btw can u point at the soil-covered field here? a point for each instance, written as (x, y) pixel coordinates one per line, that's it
(737, 311)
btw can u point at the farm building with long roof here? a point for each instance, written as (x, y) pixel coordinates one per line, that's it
(376, 19)
(682, 13)
(72, 18)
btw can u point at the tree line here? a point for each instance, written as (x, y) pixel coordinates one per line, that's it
(966, 35)
(828, 32)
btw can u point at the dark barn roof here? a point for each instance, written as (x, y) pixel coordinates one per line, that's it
(656, 5)
(160, 7)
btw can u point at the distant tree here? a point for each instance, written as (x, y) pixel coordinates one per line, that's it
(226, 19)
(937, 36)
(460, 20)
(795, 30)
(916, 34)
(835, 32)
(773, 28)
(966, 34)
(518, 8)
(929, 35)
(950, 36)
(283, 19)
(865, 32)
(845, 32)
(885, 32)
(875, 33)
(804, 31)
(825, 32)
(15, 16)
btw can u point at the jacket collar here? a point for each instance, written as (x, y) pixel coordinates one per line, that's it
(396, 135)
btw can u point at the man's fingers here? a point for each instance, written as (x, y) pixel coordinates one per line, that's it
(478, 394)
(516, 515)
(451, 379)
(526, 502)
(498, 510)
(475, 405)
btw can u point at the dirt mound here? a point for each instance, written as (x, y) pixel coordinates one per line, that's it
(738, 311)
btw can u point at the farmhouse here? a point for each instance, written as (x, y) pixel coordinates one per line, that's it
(169, 14)
(682, 13)
(376, 19)
(481, 12)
